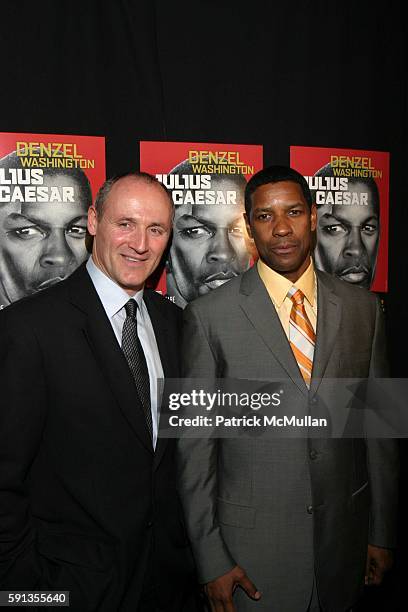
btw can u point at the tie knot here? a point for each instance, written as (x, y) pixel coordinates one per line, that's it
(296, 295)
(131, 308)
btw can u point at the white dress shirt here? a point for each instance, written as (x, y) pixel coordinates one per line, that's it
(113, 299)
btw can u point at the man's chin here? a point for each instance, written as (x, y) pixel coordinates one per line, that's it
(203, 290)
(11, 293)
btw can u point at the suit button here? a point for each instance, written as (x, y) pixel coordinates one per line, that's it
(149, 524)
(313, 400)
(309, 509)
(313, 454)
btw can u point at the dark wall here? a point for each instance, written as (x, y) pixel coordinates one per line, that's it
(300, 72)
(306, 72)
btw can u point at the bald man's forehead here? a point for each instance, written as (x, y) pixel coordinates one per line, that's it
(140, 186)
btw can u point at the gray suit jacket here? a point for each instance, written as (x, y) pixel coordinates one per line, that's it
(287, 510)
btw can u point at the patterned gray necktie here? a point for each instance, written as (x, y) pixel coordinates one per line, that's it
(136, 359)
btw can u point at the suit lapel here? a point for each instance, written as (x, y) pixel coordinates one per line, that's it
(259, 309)
(328, 322)
(167, 348)
(163, 336)
(107, 352)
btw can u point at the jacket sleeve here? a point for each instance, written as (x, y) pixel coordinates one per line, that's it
(382, 456)
(22, 415)
(197, 463)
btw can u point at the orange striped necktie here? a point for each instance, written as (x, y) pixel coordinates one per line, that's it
(302, 337)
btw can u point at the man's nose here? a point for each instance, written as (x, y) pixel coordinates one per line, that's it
(56, 251)
(282, 226)
(138, 240)
(354, 246)
(220, 249)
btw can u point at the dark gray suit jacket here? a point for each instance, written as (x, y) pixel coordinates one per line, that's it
(287, 509)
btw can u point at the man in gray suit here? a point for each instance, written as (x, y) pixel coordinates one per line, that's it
(305, 519)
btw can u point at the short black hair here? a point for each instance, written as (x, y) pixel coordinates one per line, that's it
(275, 174)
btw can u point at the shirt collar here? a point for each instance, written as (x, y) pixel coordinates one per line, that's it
(278, 286)
(112, 296)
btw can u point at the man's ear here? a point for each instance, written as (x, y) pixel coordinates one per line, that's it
(92, 220)
(313, 217)
(169, 268)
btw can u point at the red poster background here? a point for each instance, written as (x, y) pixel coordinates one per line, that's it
(161, 157)
(89, 153)
(90, 147)
(308, 160)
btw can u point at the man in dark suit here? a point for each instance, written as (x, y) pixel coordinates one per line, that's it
(88, 501)
(307, 518)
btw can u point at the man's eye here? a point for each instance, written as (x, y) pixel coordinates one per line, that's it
(28, 233)
(334, 229)
(263, 216)
(77, 231)
(294, 212)
(236, 230)
(196, 232)
(157, 231)
(369, 229)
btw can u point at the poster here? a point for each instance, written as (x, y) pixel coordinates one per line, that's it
(351, 191)
(207, 181)
(47, 183)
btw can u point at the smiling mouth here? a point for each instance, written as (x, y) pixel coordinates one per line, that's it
(134, 260)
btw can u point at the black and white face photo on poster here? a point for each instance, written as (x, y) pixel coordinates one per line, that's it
(43, 219)
(348, 226)
(209, 245)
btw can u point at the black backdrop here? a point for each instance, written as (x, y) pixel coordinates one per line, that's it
(306, 72)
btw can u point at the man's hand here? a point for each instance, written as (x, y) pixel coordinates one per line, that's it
(379, 561)
(220, 591)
